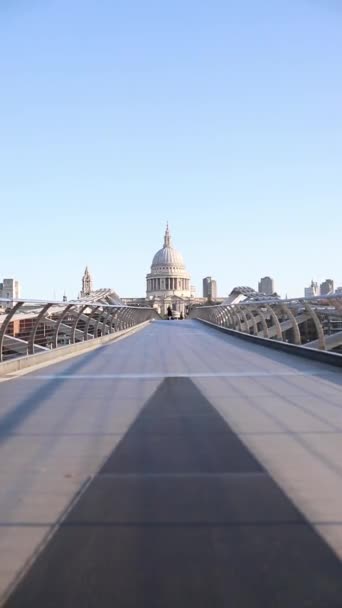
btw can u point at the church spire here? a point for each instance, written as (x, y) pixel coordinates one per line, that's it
(167, 236)
(87, 283)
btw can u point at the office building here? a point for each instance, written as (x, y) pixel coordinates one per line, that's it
(9, 289)
(327, 287)
(312, 291)
(209, 288)
(266, 286)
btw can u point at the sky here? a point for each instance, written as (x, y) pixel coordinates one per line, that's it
(222, 117)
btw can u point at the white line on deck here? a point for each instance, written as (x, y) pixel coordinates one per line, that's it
(161, 375)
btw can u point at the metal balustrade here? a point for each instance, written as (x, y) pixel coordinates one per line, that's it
(29, 327)
(311, 322)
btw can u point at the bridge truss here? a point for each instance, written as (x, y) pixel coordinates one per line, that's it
(311, 322)
(29, 327)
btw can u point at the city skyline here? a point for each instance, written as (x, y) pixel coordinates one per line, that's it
(326, 287)
(315, 288)
(109, 128)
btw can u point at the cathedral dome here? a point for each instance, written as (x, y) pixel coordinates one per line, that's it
(168, 255)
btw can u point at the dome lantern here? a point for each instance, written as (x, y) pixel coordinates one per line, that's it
(167, 236)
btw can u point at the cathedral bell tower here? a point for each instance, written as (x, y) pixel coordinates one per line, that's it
(87, 283)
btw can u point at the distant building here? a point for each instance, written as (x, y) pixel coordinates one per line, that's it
(312, 291)
(192, 291)
(266, 286)
(9, 289)
(88, 293)
(87, 283)
(327, 287)
(338, 290)
(209, 288)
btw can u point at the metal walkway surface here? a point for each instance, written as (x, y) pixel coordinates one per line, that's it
(176, 467)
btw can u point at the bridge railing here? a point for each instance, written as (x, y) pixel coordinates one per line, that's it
(311, 322)
(28, 327)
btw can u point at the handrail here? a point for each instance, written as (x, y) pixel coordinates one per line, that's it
(312, 322)
(28, 326)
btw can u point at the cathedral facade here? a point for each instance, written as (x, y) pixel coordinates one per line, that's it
(168, 282)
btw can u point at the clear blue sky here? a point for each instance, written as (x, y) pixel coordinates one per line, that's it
(222, 117)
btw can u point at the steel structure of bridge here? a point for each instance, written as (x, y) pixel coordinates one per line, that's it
(29, 327)
(312, 322)
(159, 463)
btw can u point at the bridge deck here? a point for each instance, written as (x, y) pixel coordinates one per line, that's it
(176, 467)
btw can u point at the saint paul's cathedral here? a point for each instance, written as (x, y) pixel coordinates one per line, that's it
(167, 283)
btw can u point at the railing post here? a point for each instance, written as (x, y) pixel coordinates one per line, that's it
(75, 322)
(90, 316)
(292, 318)
(32, 337)
(319, 329)
(5, 325)
(249, 311)
(275, 322)
(59, 323)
